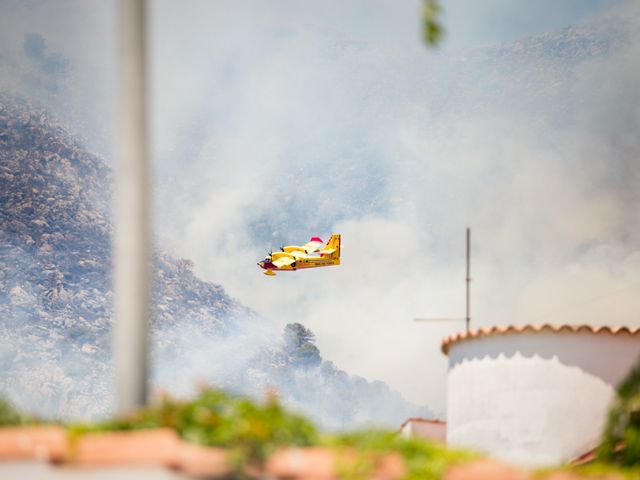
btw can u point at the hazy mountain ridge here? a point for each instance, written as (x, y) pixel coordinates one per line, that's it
(534, 80)
(518, 75)
(56, 300)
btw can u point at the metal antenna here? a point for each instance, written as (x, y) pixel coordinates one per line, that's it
(467, 318)
(468, 280)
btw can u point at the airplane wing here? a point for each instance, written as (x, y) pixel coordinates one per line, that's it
(282, 261)
(327, 251)
(312, 246)
(292, 249)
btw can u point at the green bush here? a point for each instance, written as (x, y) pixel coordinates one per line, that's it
(215, 418)
(8, 414)
(423, 460)
(621, 439)
(253, 430)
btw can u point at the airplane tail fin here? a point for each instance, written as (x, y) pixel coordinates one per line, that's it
(332, 248)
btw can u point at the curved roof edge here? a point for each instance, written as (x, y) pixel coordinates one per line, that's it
(433, 421)
(501, 330)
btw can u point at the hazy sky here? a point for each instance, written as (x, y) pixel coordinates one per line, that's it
(277, 121)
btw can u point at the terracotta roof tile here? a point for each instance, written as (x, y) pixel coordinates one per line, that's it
(576, 476)
(321, 463)
(591, 455)
(298, 463)
(37, 442)
(422, 420)
(142, 447)
(501, 330)
(199, 461)
(163, 448)
(486, 470)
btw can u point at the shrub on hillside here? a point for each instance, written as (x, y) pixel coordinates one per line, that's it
(8, 414)
(621, 439)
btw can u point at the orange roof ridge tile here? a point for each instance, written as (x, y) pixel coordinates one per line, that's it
(422, 420)
(141, 447)
(504, 329)
(322, 463)
(162, 447)
(488, 470)
(42, 442)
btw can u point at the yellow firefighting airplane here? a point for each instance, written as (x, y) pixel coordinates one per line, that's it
(309, 255)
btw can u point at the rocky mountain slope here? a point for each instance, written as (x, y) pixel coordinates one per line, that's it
(56, 301)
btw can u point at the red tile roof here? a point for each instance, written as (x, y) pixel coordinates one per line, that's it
(42, 443)
(494, 470)
(486, 470)
(592, 455)
(501, 330)
(422, 420)
(321, 463)
(163, 448)
(141, 447)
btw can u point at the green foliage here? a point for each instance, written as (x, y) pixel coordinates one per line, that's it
(308, 355)
(296, 335)
(621, 439)
(253, 431)
(9, 415)
(601, 470)
(299, 342)
(424, 460)
(432, 30)
(216, 418)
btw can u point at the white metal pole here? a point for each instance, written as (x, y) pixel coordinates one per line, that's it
(468, 280)
(131, 242)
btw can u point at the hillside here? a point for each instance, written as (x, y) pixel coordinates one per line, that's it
(56, 300)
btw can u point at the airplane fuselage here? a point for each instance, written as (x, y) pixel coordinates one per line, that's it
(300, 263)
(310, 255)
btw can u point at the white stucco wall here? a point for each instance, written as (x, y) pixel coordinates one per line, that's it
(434, 431)
(534, 398)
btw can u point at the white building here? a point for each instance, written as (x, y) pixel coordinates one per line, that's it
(427, 429)
(534, 396)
